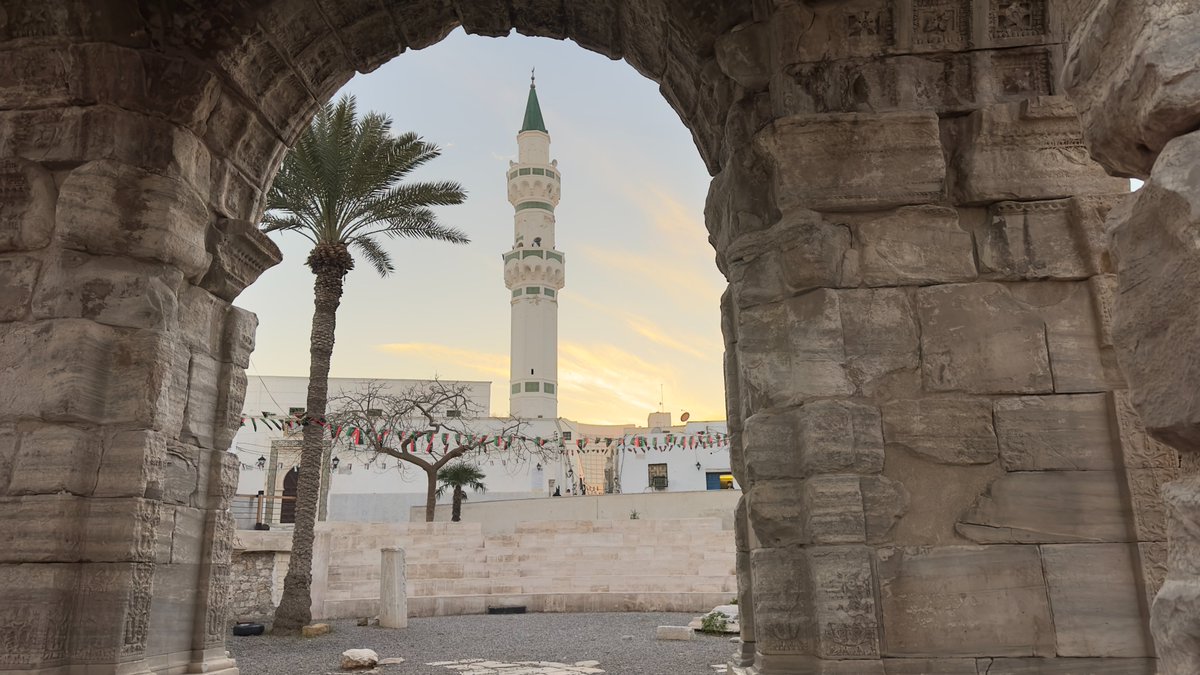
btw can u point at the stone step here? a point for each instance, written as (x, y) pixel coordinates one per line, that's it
(565, 602)
(652, 566)
(664, 525)
(598, 584)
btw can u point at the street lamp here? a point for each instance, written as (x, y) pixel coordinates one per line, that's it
(262, 462)
(334, 463)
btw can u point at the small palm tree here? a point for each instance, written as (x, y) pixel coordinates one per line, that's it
(458, 476)
(340, 187)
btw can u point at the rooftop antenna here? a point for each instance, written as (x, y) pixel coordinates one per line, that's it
(532, 77)
(660, 398)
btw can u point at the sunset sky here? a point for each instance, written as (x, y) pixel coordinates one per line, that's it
(641, 304)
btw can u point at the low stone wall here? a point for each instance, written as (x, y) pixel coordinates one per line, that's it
(501, 517)
(454, 568)
(252, 576)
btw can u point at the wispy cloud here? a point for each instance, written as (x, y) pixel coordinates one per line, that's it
(462, 362)
(650, 329)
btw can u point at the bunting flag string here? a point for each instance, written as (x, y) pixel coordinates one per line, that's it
(424, 441)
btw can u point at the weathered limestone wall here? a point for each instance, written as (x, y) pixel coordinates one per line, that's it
(252, 576)
(1133, 69)
(942, 460)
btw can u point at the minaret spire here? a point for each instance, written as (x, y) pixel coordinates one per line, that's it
(534, 270)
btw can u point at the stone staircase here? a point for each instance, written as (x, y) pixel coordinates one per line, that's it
(684, 565)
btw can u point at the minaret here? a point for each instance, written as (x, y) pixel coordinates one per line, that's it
(534, 270)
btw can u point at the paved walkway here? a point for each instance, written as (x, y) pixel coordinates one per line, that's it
(519, 644)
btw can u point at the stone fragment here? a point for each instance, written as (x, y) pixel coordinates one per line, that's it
(897, 160)
(743, 56)
(832, 510)
(240, 254)
(976, 338)
(1154, 235)
(1049, 506)
(1131, 70)
(355, 659)
(944, 430)
(1061, 433)
(673, 633)
(391, 661)
(818, 438)
(792, 350)
(1094, 598)
(18, 274)
(1028, 150)
(912, 246)
(843, 602)
(964, 601)
(881, 337)
(313, 630)
(112, 290)
(168, 223)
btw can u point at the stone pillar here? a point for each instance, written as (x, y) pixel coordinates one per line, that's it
(393, 591)
(1133, 72)
(123, 360)
(916, 349)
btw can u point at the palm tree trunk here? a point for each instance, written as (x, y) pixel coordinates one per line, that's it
(431, 494)
(456, 512)
(295, 607)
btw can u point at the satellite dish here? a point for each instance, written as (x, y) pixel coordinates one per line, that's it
(685, 417)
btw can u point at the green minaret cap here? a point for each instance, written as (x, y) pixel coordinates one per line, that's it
(533, 112)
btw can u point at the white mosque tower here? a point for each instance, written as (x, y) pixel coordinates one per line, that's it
(534, 270)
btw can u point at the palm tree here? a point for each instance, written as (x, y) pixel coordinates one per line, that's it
(340, 188)
(458, 476)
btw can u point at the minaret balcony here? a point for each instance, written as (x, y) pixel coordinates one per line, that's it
(534, 266)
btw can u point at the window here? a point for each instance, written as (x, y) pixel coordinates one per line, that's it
(453, 413)
(539, 172)
(531, 386)
(374, 412)
(516, 389)
(533, 290)
(512, 175)
(534, 205)
(551, 173)
(658, 476)
(566, 435)
(517, 292)
(548, 388)
(548, 291)
(295, 412)
(523, 172)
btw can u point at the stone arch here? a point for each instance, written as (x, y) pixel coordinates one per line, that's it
(901, 208)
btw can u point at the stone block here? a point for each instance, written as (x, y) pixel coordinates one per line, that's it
(1037, 240)
(783, 618)
(240, 254)
(929, 667)
(66, 528)
(976, 338)
(131, 465)
(799, 253)
(111, 290)
(56, 458)
(67, 367)
(181, 473)
(673, 633)
(1028, 150)
(885, 501)
(8, 449)
(843, 602)
(881, 338)
(27, 210)
(832, 510)
(314, 630)
(1131, 69)
(913, 246)
(1059, 433)
(1049, 506)
(1069, 666)
(943, 492)
(18, 274)
(202, 320)
(237, 341)
(199, 416)
(793, 350)
(1073, 335)
(36, 614)
(169, 223)
(1138, 449)
(1158, 264)
(943, 430)
(896, 160)
(1094, 595)
(964, 601)
(818, 438)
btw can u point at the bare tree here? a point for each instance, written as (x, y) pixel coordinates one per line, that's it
(427, 426)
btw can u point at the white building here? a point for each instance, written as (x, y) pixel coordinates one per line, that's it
(560, 457)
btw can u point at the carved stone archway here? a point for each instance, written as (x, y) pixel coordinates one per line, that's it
(940, 459)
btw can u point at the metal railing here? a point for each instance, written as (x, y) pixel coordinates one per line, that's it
(263, 511)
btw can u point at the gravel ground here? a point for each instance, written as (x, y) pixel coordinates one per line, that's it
(566, 638)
